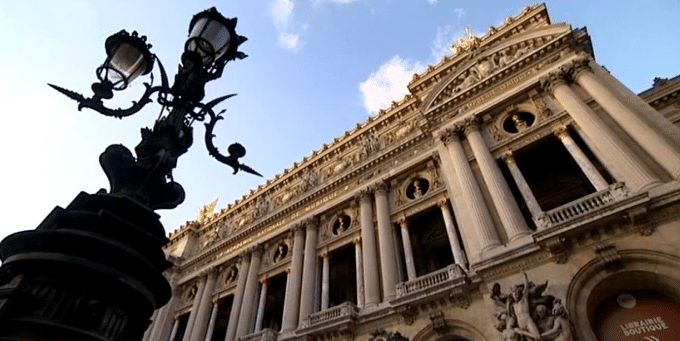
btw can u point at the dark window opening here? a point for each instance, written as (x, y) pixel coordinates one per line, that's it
(273, 309)
(430, 243)
(222, 319)
(343, 277)
(552, 174)
(181, 327)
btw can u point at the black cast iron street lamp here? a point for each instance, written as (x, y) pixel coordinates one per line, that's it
(93, 271)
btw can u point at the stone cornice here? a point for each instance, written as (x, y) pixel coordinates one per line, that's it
(302, 208)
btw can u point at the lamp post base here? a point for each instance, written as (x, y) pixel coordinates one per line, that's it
(92, 271)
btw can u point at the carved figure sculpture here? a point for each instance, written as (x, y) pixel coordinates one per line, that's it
(561, 328)
(523, 314)
(519, 122)
(280, 253)
(417, 189)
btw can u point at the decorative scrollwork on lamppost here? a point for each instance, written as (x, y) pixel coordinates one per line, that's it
(148, 178)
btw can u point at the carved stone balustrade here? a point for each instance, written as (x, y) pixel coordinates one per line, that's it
(582, 207)
(263, 335)
(440, 280)
(343, 312)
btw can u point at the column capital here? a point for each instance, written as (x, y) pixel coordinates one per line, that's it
(561, 132)
(579, 65)
(451, 134)
(356, 240)
(471, 124)
(265, 281)
(443, 203)
(553, 79)
(364, 195)
(403, 222)
(380, 187)
(509, 157)
(311, 223)
(256, 249)
(325, 254)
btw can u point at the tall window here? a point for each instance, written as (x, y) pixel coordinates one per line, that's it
(343, 277)
(430, 244)
(222, 319)
(273, 309)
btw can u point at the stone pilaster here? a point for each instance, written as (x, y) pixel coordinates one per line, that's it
(309, 270)
(523, 186)
(173, 333)
(454, 238)
(238, 297)
(203, 311)
(634, 173)
(581, 159)
(370, 257)
(408, 249)
(245, 321)
(650, 139)
(482, 224)
(261, 305)
(388, 255)
(501, 196)
(291, 306)
(194, 307)
(360, 271)
(325, 280)
(211, 324)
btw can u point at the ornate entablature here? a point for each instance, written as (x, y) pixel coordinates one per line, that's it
(494, 59)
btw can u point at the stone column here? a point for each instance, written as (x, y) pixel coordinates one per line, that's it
(408, 250)
(173, 333)
(291, 306)
(635, 174)
(194, 308)
(309, 270)
(245, 321)
(482, 224)
(454, 239)
(238, 297)
(260, 308)
(650, 139)
(522, 184)
(646, 111)
(581, 159)
(506, 206)
(203, 316)
(211, 324)
(370, 257)
(360, 271)
(388, 256)
(163, 325)
(325, 280)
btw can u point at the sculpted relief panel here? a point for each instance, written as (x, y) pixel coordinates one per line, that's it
(526, 314)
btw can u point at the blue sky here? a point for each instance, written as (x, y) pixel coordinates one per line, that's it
(315, 69)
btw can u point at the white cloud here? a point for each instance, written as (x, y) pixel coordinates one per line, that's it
(388, 83)
(460, 13)
(433, 2)
(281, 12)
(289, 41)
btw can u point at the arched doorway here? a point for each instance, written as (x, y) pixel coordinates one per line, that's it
(599, 299)
(637, 314)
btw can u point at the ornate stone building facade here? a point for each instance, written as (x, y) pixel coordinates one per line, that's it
(519, 192)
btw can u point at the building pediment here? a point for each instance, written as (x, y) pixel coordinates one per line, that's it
(487, 63)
